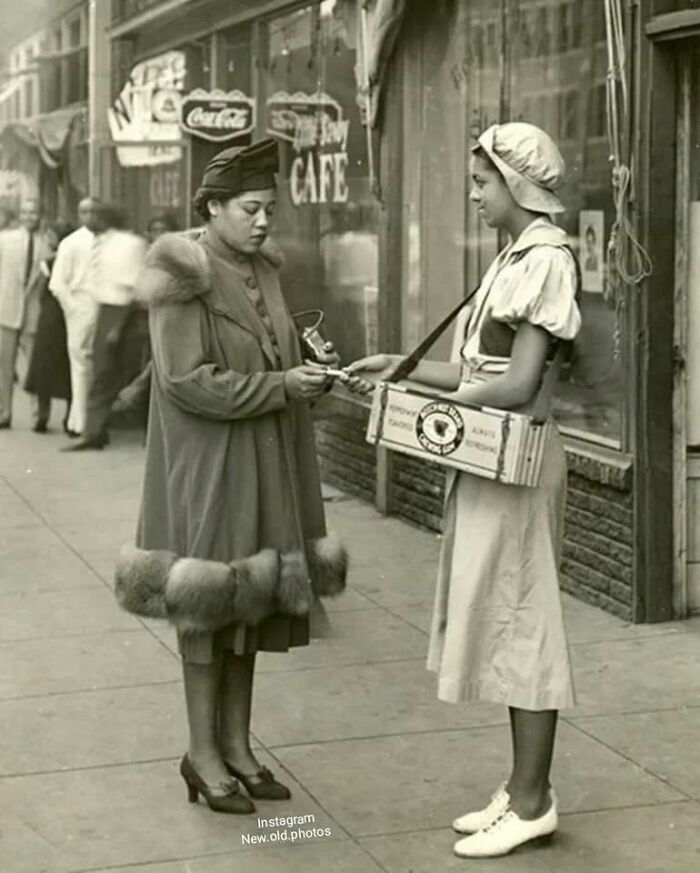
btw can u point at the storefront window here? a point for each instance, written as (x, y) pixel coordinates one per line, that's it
(147, 164)
(326, 217)
(563, 91)
(545, 63)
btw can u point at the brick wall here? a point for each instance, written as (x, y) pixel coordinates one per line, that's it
(346, 460)
(418, 491)
(597, 560)
(597, 563)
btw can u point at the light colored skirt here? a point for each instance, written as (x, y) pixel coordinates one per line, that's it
(497, 630)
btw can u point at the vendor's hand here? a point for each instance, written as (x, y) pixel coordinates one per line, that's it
(369, 371)
(306, 383)
(356, 385)
(366, 372)
(371, 364)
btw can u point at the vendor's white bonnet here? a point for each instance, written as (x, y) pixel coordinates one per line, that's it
(530, 163)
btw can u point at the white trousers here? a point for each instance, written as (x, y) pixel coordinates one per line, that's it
(81, 317)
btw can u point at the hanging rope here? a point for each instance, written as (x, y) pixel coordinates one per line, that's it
(629, 261)
(366, 89)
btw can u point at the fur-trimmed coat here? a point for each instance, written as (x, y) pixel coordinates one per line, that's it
(231, 465)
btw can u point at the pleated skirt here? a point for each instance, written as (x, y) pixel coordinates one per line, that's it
(278, 633)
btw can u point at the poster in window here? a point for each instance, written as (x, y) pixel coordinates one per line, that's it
(592, 249)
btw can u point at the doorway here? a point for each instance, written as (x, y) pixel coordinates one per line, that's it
(686, 405)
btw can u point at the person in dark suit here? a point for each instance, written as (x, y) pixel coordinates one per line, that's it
(48, 376)
(22, 249)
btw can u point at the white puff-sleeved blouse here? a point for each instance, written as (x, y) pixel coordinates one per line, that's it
(533, 280)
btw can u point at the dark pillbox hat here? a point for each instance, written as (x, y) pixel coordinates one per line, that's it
(244, 168)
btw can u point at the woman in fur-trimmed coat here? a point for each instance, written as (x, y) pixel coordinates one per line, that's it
(231, 466)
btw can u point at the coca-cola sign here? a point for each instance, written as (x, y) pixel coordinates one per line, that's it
(217, 115)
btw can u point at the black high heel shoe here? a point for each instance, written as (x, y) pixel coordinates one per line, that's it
(261, 785)
(225, 797)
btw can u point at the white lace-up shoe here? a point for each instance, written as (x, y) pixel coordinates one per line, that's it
(472, 822)
(507, 833)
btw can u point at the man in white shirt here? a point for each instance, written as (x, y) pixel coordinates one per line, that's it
(121, 330)
(22, 249)
(70, 284)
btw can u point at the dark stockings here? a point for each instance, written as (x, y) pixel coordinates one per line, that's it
(533, 744)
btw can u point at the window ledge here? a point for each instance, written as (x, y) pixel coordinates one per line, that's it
(599, 464)
(674, 25)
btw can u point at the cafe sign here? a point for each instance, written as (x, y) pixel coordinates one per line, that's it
(315, 127)
(217, 115)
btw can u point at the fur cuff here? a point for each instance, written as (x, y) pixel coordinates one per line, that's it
(199, 595)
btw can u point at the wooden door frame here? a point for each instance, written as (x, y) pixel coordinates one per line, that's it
(680, 322)
(655, 206)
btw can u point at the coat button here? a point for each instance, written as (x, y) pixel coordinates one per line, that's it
(251, 282)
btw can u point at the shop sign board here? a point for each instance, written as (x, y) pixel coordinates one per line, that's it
(147, 112)
(318, 133)
(217, 115)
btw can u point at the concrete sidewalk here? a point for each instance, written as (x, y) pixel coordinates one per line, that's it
(92, 719)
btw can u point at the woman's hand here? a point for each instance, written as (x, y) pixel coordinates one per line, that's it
(305, 384)
(328, 357)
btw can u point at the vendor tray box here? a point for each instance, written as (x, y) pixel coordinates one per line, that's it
(492, 443)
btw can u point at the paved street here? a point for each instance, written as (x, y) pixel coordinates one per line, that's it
(92, 720)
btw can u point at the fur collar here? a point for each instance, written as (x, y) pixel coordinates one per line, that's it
(177, 268)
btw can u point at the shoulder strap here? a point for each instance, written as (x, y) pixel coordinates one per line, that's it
(408, 364)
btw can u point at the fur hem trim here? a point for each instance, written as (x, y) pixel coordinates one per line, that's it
(328, 566)
(200, 595)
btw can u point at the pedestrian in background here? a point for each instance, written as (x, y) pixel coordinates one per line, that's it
(7, 218)
(133, 399)
(158, 224)
(70, 283)
(231, 464)
(121, 330)
(22, 249)
(49, 369)
(497, 631)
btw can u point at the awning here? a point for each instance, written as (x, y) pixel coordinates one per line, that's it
(48, 133)
(379, 22)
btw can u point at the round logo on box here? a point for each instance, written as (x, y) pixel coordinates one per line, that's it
(440, 428)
